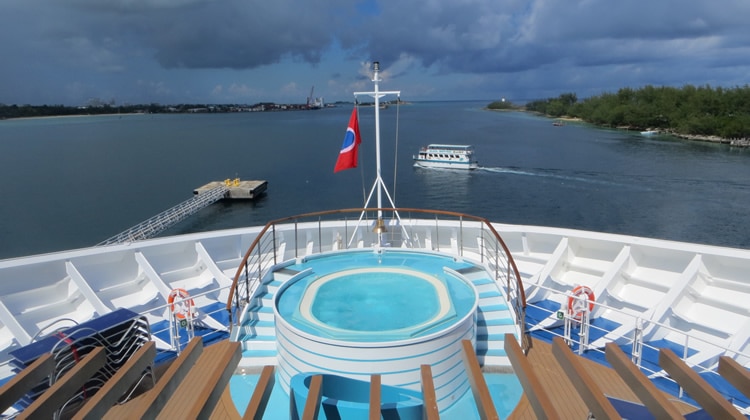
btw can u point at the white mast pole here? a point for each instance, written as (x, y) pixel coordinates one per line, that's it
(379, 184)
(375, 80)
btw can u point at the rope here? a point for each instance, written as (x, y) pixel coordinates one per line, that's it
(395, 157)
(362, 166)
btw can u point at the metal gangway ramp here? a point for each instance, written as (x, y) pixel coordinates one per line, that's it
(167, 218)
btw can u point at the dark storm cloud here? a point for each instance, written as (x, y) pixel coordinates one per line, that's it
(493, 36)
(79, 44)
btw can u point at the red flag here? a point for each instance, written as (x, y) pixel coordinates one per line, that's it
(348, 154)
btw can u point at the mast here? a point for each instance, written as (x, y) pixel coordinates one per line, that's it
(379, 184)
(375, 80)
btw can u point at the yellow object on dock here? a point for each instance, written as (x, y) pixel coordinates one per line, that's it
(236, 189)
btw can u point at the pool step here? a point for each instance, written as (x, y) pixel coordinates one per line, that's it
(493, 322)
(258, 331)
(283, 274)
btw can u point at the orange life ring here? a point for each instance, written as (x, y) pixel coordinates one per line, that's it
(185, 303)
(575, 305)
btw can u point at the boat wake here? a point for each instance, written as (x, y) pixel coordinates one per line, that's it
(578, 177)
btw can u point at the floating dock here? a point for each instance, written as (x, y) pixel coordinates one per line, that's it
(236, 189)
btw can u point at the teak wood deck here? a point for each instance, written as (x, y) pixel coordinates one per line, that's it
(563, 394)
(557, 385)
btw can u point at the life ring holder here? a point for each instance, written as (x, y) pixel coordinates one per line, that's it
(575, 304)
(185, 304)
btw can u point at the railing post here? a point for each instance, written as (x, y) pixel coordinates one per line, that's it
(461, 236)
(320, 235)
(583, 333)
(260, 270)
(273, 236)
(246, 298)
(437, 232)
(296, 252)
(637, 342)
(346, 231)
(481, 244)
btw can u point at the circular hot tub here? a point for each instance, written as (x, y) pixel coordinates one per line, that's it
(388, 312)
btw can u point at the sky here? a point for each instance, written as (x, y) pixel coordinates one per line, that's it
(75, 52)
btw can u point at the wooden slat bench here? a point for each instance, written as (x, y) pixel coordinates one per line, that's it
(710, 399)
(656, 402)
(735, 374)
(485, 406)
(259, 400)
(25, 381)
(428, 394)
(532, 387)
(150, 403)
(53, 398)
(119, 383)
(587, 388)
(201, 389)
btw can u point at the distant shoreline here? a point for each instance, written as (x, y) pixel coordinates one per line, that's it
(735, 142)
(40, 117)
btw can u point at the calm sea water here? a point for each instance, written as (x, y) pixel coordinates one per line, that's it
(73, 182)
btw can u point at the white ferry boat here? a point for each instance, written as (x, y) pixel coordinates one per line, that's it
(446, 156)
(377, 312)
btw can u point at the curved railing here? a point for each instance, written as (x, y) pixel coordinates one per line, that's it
(313, 233)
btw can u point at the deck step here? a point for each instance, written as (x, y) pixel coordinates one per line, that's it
(260, 309)
(470, 270)
(482, 281)
(494, 307)
(494, 293)
(260, 338)
(492, 352)
(490, 337)
(495, 321)
(254, 353)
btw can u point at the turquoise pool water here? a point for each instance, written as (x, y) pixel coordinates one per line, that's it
(371, 296)
(339, 303)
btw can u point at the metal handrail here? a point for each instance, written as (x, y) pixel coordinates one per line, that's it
(263, 253)
(169, 217)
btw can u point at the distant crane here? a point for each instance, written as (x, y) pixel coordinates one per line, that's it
(312, 102)
(310, 98)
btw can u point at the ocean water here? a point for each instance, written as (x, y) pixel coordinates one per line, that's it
(73, 182)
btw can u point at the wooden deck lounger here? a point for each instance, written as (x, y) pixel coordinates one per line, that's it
(485, 406)
(312, 405)
(656, 403)
(374, 397)
(428, 394)
(119, 383)
(708, 398)
(24, 381)
(149, 404)
(201, 389)
(587, 388)
(735, 374)
(51, 400)
(259, 400)
(532, 387)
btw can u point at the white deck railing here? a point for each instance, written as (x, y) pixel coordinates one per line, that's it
(454, 233)
(643, 332)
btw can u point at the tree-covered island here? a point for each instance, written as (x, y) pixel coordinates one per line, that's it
(701, 113)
